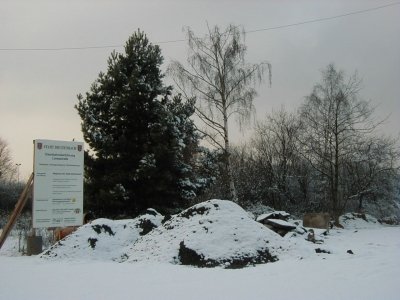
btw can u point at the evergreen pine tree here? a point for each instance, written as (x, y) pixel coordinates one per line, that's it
(142, 142)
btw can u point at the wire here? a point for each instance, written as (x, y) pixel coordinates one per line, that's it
(184, 40)
(324, 19)
(60, 49)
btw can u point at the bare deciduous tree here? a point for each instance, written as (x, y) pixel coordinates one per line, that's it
(222, 84)
(275, 142)
(7, 168)
(334, 120)
(372, 171)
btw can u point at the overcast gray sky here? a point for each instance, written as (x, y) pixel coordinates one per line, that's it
(38, 88)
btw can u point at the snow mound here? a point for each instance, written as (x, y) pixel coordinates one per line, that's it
(209, 234)
(358, 221)
(103, 239)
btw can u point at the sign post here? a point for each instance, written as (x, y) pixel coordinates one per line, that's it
(58, 184)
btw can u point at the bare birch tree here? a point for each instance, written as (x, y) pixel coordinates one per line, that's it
(222, 83)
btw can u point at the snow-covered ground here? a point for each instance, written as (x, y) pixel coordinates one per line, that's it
(371, 272)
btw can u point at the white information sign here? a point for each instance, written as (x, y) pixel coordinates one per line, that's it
(58, 184)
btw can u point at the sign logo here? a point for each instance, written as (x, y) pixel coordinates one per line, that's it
(39, 146)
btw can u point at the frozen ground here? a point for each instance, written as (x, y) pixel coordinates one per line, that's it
(371, 272)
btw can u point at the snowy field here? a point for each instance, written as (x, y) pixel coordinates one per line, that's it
(371, 272)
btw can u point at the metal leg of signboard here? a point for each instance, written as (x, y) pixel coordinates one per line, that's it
(17, 211)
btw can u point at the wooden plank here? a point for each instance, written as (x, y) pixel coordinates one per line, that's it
(17, 211)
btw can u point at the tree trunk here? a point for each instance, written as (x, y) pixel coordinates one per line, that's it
(228, 164)
(360, 203)
(232, 188)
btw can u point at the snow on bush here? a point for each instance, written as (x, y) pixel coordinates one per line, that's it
(209, 234)
(103, 239)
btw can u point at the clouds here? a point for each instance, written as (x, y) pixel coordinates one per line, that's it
(38, 86)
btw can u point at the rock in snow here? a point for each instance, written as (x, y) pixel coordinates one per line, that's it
(277, 221)
(281, 215)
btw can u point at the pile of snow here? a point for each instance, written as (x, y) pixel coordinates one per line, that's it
(103, 239)
(209, 234)
(358, 221)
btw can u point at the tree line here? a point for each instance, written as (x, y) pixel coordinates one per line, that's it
(146, 150)
(10, 188)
